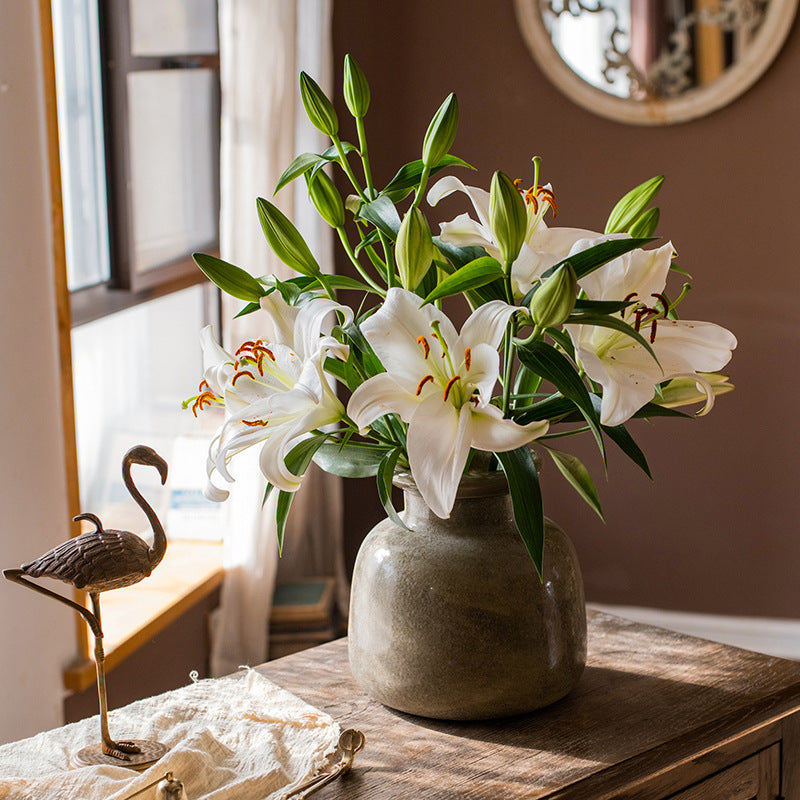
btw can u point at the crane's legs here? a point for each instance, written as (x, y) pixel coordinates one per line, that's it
(110, 747)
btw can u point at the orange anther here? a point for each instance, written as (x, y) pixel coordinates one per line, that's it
(450, 385)
(423, 382)
(255, 423)
(239, 375)
(467, 357)
(424, 342)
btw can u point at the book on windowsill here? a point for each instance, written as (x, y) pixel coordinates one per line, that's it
(304, 605)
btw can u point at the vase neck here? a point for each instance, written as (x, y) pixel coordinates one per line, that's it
(480, 499)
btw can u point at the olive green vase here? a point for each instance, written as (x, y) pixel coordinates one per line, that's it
(450, 620)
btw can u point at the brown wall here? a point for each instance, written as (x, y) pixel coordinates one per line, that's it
(717, 530)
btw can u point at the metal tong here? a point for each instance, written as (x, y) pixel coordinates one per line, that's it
(350, 743)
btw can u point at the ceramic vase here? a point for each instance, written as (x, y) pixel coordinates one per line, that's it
(450, 620)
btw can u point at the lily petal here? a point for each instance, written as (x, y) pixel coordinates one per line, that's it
(490, 431)
(380, 395)
(438, 444)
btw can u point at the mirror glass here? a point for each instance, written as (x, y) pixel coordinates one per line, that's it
(654, 61)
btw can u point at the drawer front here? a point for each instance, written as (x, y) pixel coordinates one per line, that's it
(754, 778)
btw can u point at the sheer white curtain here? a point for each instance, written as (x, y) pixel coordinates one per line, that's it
(263, 46)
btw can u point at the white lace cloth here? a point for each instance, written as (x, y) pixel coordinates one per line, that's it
(234, 738)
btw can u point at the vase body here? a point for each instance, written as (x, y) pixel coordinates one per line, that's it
(450, 620)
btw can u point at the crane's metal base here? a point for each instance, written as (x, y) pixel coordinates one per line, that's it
(149, 753)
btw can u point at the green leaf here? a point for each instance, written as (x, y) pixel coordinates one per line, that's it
(604, 321)
(248, 309)
(301, 455)
(351, 459)
(282, 514)
(584, 306)
(231, 279)
(594, 257)
(578, 476)
(458, 256)
(408, 176)
(471, 276)
(299, 166)
(332, 154)
(526, 500)
(370, 239)
(382, 214)
(385, 474)
(546, 361)
(631, 205)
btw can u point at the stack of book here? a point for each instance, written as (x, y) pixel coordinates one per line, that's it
(304, 614)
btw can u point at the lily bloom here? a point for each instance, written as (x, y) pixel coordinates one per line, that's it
(624, 368)
(274, 393)
(440, 382)
(543, 246)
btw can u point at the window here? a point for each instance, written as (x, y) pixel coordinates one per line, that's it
(138, 84)
(138, 108)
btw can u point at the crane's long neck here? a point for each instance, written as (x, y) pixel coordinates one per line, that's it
(156, 552)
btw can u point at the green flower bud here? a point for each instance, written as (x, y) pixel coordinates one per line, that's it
(554, 300)
(508, 217)
(414, 249)
(441, 132)
(320, 110)
(356, 88)
(326, 199)
(285, 240)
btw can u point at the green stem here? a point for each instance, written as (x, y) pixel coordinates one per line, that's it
(508, 342)
(387, 248)
(356, 264)
(346, 167)
(423, 182)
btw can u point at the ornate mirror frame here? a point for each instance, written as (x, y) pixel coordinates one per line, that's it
(695, 103)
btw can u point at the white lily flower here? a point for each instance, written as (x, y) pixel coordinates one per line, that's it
(624, 368)
(543, 247)
(274, 392)
(440, 382)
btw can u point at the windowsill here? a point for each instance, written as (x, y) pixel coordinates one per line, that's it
(131, 617)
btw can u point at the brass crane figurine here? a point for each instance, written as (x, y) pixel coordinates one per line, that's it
(96, 562)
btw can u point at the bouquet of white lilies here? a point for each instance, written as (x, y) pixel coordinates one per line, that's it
(574, 326)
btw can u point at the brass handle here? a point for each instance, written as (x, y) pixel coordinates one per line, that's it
(350, 743)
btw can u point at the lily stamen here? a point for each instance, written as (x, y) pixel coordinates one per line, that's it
(424, 342)
(239, 375)
(255, 423)
(423, 382)
(450, 385)
(467, 358)
(664, 302)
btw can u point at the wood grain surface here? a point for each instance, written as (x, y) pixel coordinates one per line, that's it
(654, 714)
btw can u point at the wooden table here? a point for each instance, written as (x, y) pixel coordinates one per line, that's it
(656, 715)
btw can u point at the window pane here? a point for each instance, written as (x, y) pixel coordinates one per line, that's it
(173, 153)
(173, 27)
(131, 372)
(80, 122)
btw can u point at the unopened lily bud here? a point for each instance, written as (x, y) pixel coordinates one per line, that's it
(285, 240)
(414, 249)
(554, 300)
(441, 132)
(320, 110)
(326, 199)
(507, 216)
(356, 88)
